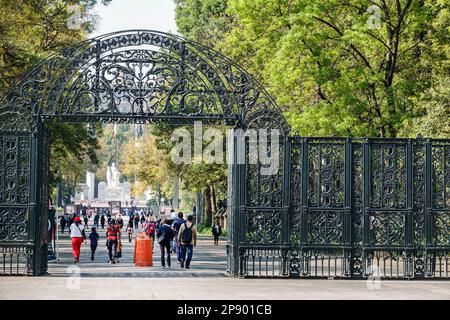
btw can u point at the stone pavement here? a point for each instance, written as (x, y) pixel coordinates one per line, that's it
(209, 260)
(214, 288)
(206, 281)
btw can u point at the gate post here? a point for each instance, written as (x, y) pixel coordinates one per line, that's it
(305, 259)
(34, 212)
(409, 222)
(366, 205)
(348, 201)
(286, 230)
(39, 198)
(429, 257)
(236, 180)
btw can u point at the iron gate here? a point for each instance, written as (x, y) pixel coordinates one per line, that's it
(337, 207)
(350, 208)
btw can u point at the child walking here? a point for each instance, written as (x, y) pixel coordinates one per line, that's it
(94, 241)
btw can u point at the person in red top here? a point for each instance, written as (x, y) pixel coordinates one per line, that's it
(112, 237)
(77, 235)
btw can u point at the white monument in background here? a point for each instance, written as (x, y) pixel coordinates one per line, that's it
(90, 182)
(114, 190)
(102, 190)
(111, 190)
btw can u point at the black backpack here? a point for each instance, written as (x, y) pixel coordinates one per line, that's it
(186, 236)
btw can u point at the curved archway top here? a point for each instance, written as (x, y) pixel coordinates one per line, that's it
(141, 76)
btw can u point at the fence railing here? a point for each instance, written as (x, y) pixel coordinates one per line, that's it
(350, 208)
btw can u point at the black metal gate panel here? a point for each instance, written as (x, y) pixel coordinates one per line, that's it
(15, 211)
(350, 208)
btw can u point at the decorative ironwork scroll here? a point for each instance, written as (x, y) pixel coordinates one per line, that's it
(357, 208)
(124, 77)
(140, 76)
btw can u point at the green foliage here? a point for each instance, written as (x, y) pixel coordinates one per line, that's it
(204, 20)
(72, 151)
(31, 31)
(329, 69)
(195, 177)
(206, 230)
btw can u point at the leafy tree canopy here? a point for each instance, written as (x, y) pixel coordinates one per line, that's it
(339, 68)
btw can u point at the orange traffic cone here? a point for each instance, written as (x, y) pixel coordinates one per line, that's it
(143, 251)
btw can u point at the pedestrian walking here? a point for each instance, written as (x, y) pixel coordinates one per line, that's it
(130, 230)
(131, 222)
(102, 221)
(176, 225)
(63, 223)
(150, 229)
(187, 240)
(142, 219)
(96, 217)
(216, 231)
(120, 221)
(165, 235)
(136, 221)
(86, 220)
(78, 236)
(70, 221)
(112, 236)
(93, 237)
(118, 253)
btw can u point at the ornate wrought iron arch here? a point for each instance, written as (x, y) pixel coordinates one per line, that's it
(140, 76)
(136, 76)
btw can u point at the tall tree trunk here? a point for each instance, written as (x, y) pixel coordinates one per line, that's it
(159, 195)
(208, 207)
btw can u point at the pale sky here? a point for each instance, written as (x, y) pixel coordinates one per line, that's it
(119, 15)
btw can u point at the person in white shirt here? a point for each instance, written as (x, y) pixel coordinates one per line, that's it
(78, 236)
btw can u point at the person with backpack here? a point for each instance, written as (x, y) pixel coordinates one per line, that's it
(216, 232)
(150, 229)
(78, 236)
(94, 237)
(165, 236)
(176, 225)
(112, 237)
(187, 240)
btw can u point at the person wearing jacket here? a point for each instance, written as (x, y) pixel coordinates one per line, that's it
(176, 225)
(63, 223)
(216, 232)
(187, 229)
(165, 236)
(94, 237)
(136, 221)
(102, 221)
(112, 239)
(78, 236)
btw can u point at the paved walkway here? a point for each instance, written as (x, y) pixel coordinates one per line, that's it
(206, 280)
(208, 260)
